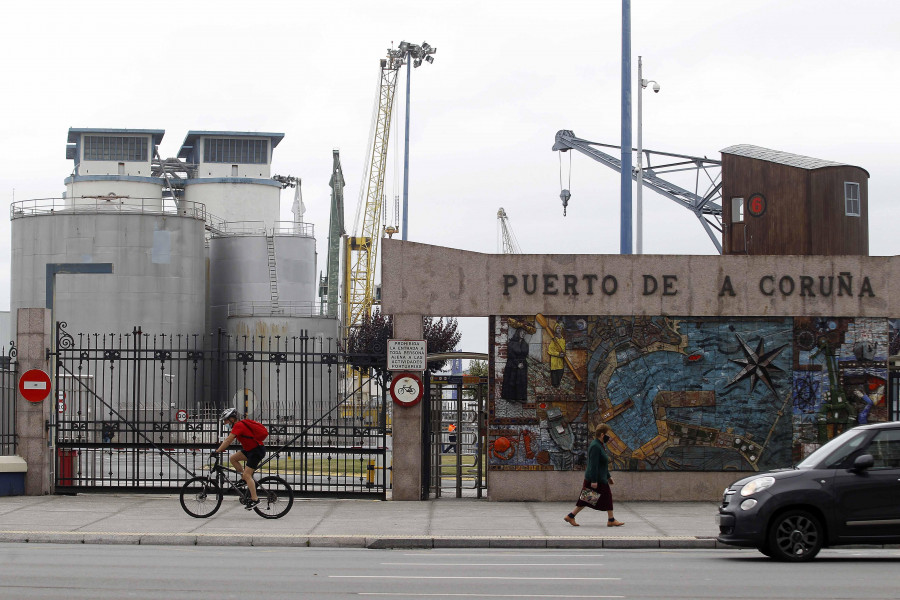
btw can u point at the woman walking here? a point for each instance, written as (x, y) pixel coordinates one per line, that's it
(595, 492)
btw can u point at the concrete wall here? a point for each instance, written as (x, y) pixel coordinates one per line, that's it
(564, 486)
(475, 284)
(471, 284)
(33, 325)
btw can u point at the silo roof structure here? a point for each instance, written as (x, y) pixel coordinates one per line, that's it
(75, 134)
(190, 140)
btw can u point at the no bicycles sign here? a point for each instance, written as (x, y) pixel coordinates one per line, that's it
(406, 389)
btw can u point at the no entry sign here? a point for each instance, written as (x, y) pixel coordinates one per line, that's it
(34, 385)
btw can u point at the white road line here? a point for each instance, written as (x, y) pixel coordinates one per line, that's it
(429, 564)
(474, 577)
(482, 595)
(503, 553)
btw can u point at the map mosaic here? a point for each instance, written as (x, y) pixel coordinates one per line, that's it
(697, 393)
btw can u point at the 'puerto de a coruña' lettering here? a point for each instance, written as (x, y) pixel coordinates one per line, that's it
(788, 286)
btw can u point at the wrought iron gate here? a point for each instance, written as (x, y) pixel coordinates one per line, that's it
(454, 442)
(8, 392)
(140, 411)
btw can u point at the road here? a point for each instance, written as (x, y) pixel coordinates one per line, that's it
(96, 572)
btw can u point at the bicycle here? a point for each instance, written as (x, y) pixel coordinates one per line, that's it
(202, 496)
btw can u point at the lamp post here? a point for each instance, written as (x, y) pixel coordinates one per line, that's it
(640, 151)
(415, 54)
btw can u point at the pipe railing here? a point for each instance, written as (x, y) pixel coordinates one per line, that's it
(111, 204)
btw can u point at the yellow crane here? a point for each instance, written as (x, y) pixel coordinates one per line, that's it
(362, 250)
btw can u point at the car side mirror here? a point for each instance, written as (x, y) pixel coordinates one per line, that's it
(862, 462)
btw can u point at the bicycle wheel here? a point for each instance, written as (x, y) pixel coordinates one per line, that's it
(275, 497)
(201, 497)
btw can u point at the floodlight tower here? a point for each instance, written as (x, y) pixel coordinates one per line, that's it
(415, 54)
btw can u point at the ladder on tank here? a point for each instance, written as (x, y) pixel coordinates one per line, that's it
(273, 279)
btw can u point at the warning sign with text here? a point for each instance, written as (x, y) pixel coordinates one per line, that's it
(407, 355)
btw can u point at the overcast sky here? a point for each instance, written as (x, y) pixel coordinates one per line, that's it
(811, 77)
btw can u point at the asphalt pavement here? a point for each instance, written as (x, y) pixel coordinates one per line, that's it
(446, 523)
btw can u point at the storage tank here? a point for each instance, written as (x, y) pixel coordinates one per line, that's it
(113, 214)
(271, 272)
(113, 167)
(158, 278)
(231, 175)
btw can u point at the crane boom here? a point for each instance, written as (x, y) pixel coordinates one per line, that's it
(335, 235)
(362, 250)
(706, 206)
(510, 245)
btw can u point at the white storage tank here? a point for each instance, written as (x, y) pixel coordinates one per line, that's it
(231, 176)
(113, 168)
(113, 217)
(158, 278)
(273, 273)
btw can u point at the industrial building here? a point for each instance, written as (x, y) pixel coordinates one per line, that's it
(194, 243)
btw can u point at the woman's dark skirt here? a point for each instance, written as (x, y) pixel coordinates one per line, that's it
(604, 503)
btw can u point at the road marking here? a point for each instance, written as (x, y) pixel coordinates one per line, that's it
(482, 595)
(474, 577)
(427, 564)
(544, 555)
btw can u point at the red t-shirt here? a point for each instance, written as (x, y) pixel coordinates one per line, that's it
(244, 436)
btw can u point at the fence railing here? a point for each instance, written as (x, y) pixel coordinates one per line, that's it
(286, 309)
(141, 411)
(225, 228)
(111, 204)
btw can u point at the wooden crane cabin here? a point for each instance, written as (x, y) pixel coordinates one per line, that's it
(778, 203)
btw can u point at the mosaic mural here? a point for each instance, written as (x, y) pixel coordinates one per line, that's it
(702, 394)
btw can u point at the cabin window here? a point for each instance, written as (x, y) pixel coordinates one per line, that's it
(737, 210)
(851, 199)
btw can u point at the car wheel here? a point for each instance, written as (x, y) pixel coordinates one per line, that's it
(795, 536)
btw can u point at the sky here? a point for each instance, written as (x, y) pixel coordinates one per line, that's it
(811, 77)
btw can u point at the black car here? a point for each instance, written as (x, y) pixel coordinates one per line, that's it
(846, 492)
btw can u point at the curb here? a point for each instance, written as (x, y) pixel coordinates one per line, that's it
(358, 541)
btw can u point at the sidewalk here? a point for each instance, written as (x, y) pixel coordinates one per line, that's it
(445, 523)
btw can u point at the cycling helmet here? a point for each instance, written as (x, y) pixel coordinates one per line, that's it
(228, 413)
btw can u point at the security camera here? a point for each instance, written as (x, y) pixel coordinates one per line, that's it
(655, 88)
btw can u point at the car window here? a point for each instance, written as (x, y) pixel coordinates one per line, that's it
(885, 449)
(834, 452)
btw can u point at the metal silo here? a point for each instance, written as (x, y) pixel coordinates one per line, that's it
(113, 214)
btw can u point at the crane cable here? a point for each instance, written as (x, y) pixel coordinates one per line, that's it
(564, 192)
(396, 220)
(364, 184)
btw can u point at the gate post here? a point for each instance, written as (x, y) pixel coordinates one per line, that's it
(33, 340)
(407, 426)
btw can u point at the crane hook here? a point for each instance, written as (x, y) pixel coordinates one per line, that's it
(564, 196)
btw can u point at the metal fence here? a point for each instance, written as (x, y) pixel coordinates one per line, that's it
(141, 410)
(8, 388)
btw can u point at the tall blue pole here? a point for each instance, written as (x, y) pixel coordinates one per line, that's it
(625, 233)
(406, 156)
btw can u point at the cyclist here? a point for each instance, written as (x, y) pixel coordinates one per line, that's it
(252, 451)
